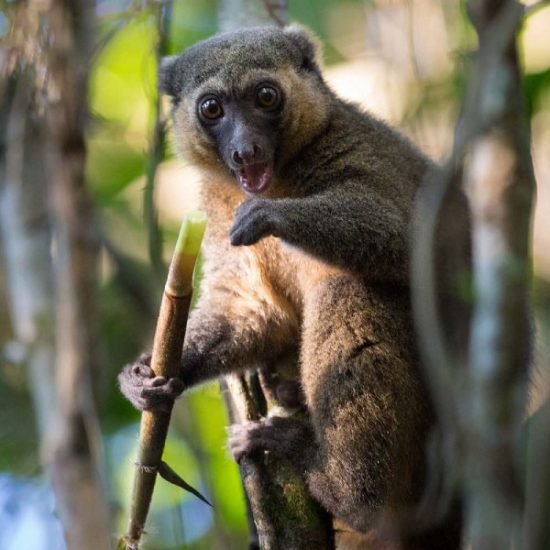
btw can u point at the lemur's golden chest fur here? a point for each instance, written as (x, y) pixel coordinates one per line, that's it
(270, 271)
(270, 280)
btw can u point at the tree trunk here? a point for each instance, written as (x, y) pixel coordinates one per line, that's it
(482, 397)
(52, 251)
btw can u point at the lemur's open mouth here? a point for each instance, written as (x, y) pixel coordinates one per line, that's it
(255, 178)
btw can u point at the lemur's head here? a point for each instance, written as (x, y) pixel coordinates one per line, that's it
(246, 102)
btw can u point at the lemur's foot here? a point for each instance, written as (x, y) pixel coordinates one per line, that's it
(146, 391)
(288, 437)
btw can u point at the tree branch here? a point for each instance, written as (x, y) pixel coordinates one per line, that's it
(284, 513)
(492, 146)
(492, 158)
(499, 181)
(25, 235)
(533, 8)
(74, 441)
(163, 15)
(277, 11)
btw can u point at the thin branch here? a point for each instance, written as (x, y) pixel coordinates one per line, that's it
(163, 15)
(277, 11)
(535, 7)
(235, 412)
(437, 356)
(284, 513)
(442, 363)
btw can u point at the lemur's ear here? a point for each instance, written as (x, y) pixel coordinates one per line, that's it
(168, 81)
(308, 43)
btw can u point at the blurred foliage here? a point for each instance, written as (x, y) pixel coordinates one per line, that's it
(537, 88)
(122, 92)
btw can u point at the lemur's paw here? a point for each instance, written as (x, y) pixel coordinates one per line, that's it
(146, 391)
(246, 439)
(279, 435)
(254, 219)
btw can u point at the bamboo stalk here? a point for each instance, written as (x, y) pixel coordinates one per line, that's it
(165, 361)
(283, 512)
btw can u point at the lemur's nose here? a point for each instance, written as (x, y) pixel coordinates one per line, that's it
(247, 155)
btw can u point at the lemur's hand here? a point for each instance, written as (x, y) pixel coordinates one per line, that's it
(254, 220)
(146, 391)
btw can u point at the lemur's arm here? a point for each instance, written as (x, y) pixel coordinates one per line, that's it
(223, 335)
(347, 226)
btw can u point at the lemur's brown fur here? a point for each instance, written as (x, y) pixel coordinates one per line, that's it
(318, 261)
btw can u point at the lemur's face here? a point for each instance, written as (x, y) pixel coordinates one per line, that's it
(245, 110)
(243, 123)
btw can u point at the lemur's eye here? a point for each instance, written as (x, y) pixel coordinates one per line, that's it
(211, 109)
(268, 97)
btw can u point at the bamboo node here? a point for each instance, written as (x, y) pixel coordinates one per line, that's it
(145, 468)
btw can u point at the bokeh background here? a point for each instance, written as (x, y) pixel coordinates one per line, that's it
(402, 60)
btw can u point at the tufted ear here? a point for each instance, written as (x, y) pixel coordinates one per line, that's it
(308, 43)
(168, 81)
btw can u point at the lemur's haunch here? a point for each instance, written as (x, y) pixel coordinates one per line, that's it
(309, 203)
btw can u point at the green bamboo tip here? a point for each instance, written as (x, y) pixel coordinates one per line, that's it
(180, 276)
(191, 233)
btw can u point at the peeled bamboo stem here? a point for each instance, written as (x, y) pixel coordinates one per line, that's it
(165, 361)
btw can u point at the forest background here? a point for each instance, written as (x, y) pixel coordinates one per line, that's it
(404, 61)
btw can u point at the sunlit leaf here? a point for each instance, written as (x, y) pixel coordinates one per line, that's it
(123, 78)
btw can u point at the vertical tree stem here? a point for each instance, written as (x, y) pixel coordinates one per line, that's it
(163, 14)
(74, 442)
(499, 181)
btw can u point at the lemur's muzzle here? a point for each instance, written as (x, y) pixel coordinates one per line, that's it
(255, 178)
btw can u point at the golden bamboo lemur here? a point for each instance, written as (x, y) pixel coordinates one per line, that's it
(309, 203)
